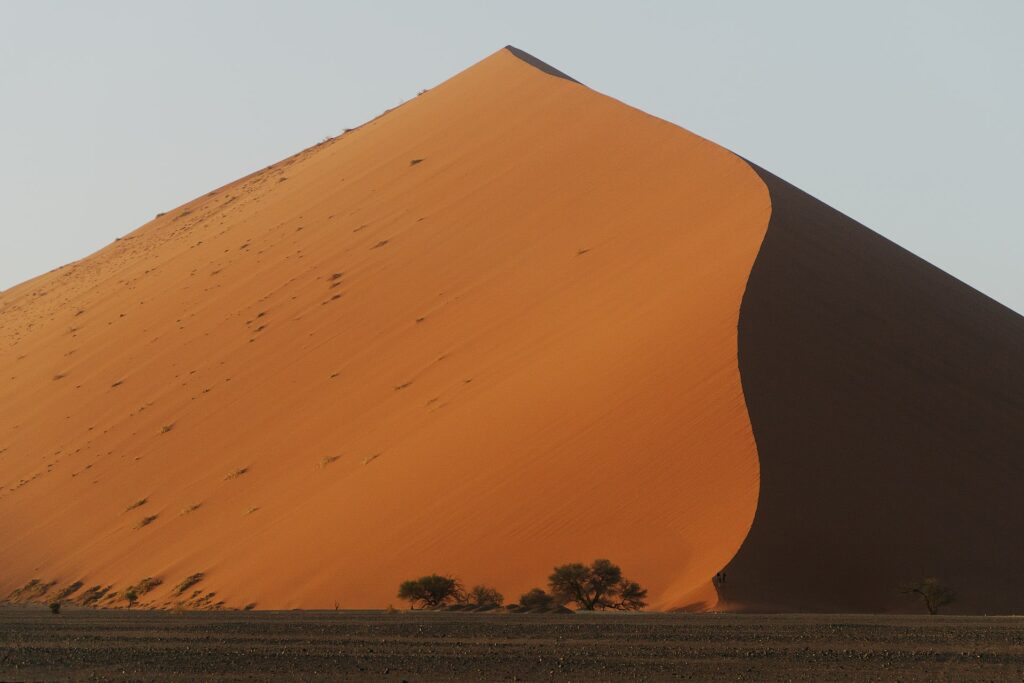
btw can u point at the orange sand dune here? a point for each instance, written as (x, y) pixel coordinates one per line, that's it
(490, 331)
(510, 324)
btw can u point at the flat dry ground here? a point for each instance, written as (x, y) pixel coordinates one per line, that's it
(140, 645)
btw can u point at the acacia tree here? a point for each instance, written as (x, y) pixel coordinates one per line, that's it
(934, 593)
(599, 586)
(536, 597)
(485, 596)
(131, 596)
(431, 591)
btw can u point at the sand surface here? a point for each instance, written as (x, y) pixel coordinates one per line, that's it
(490, 331)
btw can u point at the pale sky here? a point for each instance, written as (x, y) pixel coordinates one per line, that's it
(906, 116)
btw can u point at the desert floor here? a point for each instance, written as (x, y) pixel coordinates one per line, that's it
(426, 646)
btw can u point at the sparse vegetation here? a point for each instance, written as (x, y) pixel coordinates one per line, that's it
(188, 582)
(189, 509)
(137, 504)
(431, 591)
(235, 474)
(144, 586)
(68, 590)
(933, 592)
(55, 607)
(32, 590)
(536, 598)
(597, 587)
(166, 428)
(328, 459)
(94, 594)
(131, 597)
(482, 596)
(146, 521)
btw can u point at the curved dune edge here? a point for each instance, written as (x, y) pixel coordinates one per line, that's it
(491, 331)
(886, 398)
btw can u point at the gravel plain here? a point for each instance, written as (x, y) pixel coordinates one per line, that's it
(117, 645)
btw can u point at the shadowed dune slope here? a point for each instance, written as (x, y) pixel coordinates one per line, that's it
(490, 331)
(887, 401)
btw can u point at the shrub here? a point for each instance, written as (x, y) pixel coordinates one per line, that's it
(144, 586)
(188, 582)
(934, 593)
(68, 590)
(599, 586)
(536, 598)
(131, 596)
(93, 595)
(485, 595)
(146, 521)
(431, 591)
(55, 607)
(137, 504)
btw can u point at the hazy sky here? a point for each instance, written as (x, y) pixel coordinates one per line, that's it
(905, 115)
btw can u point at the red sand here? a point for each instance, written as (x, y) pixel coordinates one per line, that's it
(521, 350)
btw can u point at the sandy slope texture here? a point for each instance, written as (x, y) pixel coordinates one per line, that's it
(489, 331)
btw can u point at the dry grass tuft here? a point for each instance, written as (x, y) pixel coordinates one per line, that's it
(235, 474)
(146, 521)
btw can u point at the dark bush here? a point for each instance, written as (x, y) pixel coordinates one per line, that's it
(536, 598)
(431, 591)
(599, 586)
(934, 593)
(485, 596)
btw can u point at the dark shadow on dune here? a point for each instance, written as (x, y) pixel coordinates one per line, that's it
(887, 402)
(536, 63)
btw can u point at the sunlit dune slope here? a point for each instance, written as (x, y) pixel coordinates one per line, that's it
(492, 330)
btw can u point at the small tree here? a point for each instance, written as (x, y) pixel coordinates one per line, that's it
(599, 586)
(934, 593)
(536, 597)
(55, 607)
(431, 591)
(485, 596)
(131, 596)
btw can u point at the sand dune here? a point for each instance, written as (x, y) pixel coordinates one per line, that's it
(493, 330)
(887, 399)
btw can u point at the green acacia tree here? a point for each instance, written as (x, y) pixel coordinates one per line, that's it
(485, 596)
(597, 587)
(432, 590)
